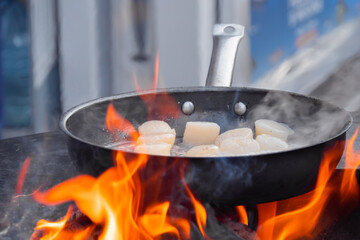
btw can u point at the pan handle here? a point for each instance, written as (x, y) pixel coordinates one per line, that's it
(226, 38)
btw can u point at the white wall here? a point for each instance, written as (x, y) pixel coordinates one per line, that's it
(83, 51)
(180, 30)
(97, 44)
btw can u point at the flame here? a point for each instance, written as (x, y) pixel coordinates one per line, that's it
(156, 222)
(22, 175)
(57, 230)
(114, 200)
(115, 122)
(155, 79)
(159, 108)
(297, 217)
(200, 212)
(349, 185)
(242, 215)
(116, 203)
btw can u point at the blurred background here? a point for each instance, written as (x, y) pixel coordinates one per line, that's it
(56, 54)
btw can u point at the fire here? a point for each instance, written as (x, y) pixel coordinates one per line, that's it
(58, 230)
(115, 200)
(200, 212)
(22, 176)
(349, 184)
(156, 76)
(115, 122)
(297, 217)
(158, 108)
(242, 215)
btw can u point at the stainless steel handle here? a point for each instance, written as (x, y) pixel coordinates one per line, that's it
(226, 39)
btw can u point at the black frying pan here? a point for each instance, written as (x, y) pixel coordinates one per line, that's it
(319, 127)
(226, 180)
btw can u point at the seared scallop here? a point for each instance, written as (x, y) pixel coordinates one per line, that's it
(200, 133)
(272, 128)
(239, 146)
(154, 149)
(155, 127)
(270, 143)
(238, 132)
(203, 151)
(168, 138)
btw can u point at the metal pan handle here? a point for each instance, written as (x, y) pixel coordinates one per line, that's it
(226, 38)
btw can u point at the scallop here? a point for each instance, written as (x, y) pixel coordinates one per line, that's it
(154, 149)
(200, 133)
(270, 143)
(239, 146)
(168, 138)
(203, 151)
(155, 127)
(238, 132)
(272, 128)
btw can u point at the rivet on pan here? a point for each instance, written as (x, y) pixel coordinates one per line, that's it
(240, 108)
(188, 108)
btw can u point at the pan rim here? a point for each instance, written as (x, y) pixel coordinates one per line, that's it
(66, 115)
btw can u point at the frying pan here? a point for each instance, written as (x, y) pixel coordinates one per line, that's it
(233, 180)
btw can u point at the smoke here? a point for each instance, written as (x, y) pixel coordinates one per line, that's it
(312, 120)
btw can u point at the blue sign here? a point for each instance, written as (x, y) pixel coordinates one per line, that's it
(280, 28)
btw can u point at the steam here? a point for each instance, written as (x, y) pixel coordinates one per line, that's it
(312, 120)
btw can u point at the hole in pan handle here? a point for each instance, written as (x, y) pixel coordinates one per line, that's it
(226, 39)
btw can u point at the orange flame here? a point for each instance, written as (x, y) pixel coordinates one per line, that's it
(158, 108)
(115, 122)
(156, 222)
(156, 76)
(57, 230)
(349, 184)
(22, 176)
(242, 215)
(200, 211)
(114, 201)
(297, 217)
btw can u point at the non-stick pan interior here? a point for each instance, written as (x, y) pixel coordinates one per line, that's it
(313, 121)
